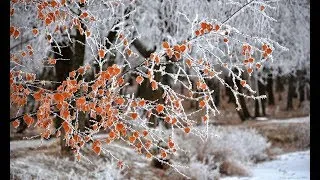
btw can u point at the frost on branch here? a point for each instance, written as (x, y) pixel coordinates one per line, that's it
(192, 46)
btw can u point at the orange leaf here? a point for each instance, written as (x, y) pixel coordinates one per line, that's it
(11, 12)
(96, 149)
(136, 134)
(81, 70)
(159, 108)
(183, 48)
(12, 29)
(177, 55)
(205, 118)
(139, 80)
(171, 144)
(148, 155)
(81, 101)
(217, 27)
(88, 33)
(203, 25)
(167, 119)
(52, 61)
(163, 153)
(112, 134)
(129, 52)
(243, 83)
(197, 32)
(145, 133)
(142, 102)
(16, 33)
(258, 65)
(58, 97)
(154, 85)
(203, 86)
(28, 120)
(157, 60)
(174, 120)
(119, 101)
(101, 53)
(16, 123)
(132, 139)
(48, 21)
(202, 103)
(186, 129)
(84, 14)
(66, 127)
(83, 1)
(188, 62)
(165, 45)
(134, 115)
(119, 126)
(120, 81)
(269, 51)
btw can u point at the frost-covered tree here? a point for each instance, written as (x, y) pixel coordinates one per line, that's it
(198, 40)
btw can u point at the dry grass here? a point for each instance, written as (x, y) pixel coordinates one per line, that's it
(288, 136)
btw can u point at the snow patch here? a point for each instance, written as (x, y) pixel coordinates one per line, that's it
(288, 166)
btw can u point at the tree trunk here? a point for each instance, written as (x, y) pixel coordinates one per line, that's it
(260, 108)
(213, 85)
(291, 92)
(269, 89)
(308, 92)
(144, 90)
(279, 86)
(63, 69)
(244, 114)
(217, 93)
(228, 91)
(301, 86)
(301, 93)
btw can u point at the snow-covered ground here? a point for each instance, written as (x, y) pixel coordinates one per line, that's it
(305, 119)
(293, 166)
